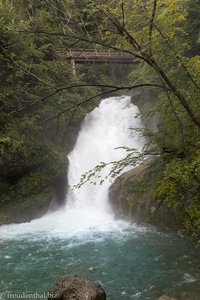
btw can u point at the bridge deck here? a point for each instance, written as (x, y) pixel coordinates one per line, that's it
(97, 56)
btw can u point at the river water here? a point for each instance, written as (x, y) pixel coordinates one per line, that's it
(84, 238)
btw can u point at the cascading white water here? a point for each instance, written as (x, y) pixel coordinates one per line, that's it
(106, 128)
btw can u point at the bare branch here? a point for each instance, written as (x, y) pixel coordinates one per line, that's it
(73, 114)
(151, 25)
(78, 104)
(178, 119)
(122, 30)
(114, 89)
(123, 13)
(87, 85)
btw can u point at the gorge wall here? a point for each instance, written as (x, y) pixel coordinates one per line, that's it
(38, 188)
(132, 196)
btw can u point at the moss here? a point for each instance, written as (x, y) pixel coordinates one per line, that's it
(34, 200)
(28, 194)
(25, 210)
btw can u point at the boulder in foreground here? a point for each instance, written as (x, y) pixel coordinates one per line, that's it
(76, 288)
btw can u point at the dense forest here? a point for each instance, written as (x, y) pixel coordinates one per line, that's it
(40, 97)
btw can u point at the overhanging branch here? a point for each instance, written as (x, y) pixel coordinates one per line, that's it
(112, 87)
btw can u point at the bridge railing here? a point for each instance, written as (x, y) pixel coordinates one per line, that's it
(86, 53)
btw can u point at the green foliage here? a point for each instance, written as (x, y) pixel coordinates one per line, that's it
(179, 188)
(114, 168)
(192, 26)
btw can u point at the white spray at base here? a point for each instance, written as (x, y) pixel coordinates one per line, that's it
(106, 128)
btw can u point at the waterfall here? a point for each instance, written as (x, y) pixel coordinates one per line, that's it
(106, 128)
(103, 131)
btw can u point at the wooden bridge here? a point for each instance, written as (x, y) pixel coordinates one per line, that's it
(97, 56)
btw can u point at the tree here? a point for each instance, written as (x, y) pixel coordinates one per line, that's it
(147, 30)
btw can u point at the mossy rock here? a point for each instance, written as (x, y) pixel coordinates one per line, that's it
(132, 195)
(25, 210)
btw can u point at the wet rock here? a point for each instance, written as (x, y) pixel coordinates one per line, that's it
(132, 196)
(76, 288)
(129, 196)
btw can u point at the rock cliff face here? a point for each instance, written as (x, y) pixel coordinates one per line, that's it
(129, 196)
(67, 143)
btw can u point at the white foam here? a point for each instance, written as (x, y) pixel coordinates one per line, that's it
(188, 278)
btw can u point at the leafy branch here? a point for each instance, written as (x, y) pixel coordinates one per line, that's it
(132, 159)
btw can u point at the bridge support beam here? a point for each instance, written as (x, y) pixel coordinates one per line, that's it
(73, 67)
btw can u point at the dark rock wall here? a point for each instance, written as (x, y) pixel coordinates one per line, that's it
(24, 202)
